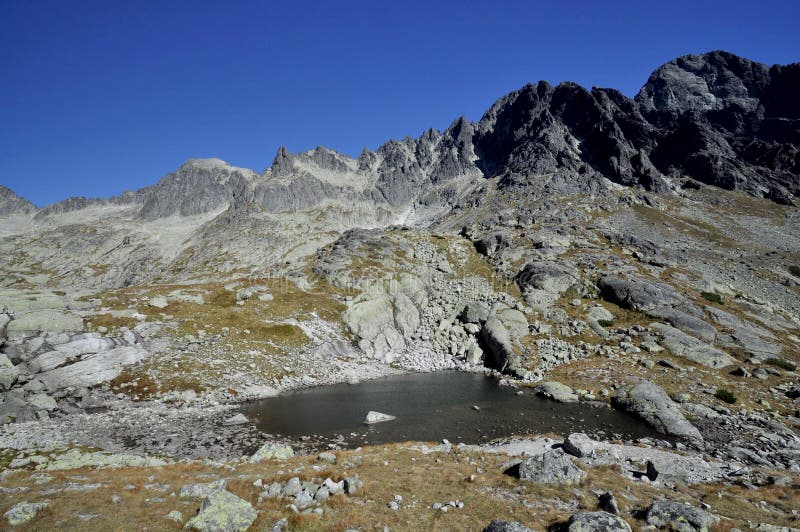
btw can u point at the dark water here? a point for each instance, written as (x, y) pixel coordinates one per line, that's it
(430, 407)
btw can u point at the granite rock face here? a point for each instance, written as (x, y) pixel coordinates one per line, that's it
(10, 203)
(649, 402)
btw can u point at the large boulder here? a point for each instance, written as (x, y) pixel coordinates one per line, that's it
(689, 347)
(386, 316)
(222, 511)
(500, 350)
(552, 467)
(597, 521)
(93, 369)
(556, 391)
(272, 451)
(202, 489)
(48, 320)
(649, 402)
(548, 276)
(679, 517)
(638, 294)
(500, 525)
(23, 512)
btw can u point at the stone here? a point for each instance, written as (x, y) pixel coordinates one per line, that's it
(474, 312)
(24, 512)
(322, 494)
(8, 373)
(551, 277)
(651, 403)
(608, 503)
(42, 401)
(500, 525)
(579, 445)
(689, 347)
(158, 302)
(272, 451)
(556, 391)
(93, 369)
(499, 350)
(223, 511)
(293, 487)
(352, 485)
(377, 417)
(638, 294)
(327, 457)
(175, 515)
(237, 419)
(201, 490)
(597, 521)
(679, 517)
(48, 321)
(552, 467)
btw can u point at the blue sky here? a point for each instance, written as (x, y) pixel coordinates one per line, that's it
(98, 97)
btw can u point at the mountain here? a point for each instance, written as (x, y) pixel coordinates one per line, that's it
(10, 203)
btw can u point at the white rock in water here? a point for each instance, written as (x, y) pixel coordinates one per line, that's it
(377, 417)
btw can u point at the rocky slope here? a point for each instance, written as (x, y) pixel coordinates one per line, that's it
(635, 253)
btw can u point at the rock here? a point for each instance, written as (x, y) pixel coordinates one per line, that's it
(579, 445)
(158, 302)
(666, 471)
(93, 369)
(175, 515)
(42, 401)
(293, 487)
(201, 490)
(552, 467)
(322, 494)
(556, 391)
(491, 244)
(8, 373)
(23, 512)
(499, 525)
(352, 485)
(238, 419)
(689, 347)
(638, 294)
(608, 503)
(550, 277)
(474, 312)
(272, 451)
(500, 353)
(649, 402)
(327, 457)
(597, 521)
(48, 321)
(679, 517)
(223, 511)
(377, 417)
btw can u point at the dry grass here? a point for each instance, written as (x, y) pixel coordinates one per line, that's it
(386, 470)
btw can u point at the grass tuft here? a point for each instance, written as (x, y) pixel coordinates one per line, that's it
(711, 296)
(788, 365)
(725, 395)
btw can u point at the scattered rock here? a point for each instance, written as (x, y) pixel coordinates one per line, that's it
(377, 417)
(680, 517)
(596, 521)
(272, 451)
(23, 512)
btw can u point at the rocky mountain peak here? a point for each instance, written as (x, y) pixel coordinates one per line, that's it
(11, 203)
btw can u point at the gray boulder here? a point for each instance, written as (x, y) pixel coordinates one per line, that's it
(649, 402)
(556, 391)
(689, 347)
(638, 294)
(223, 511)
(23, 512)
(493, 243)
(93, 369)
(474, 312)
(48, 320)
(201, 490)
(550, 277)
(271, 451)
(500, 352)
(597, 521)
(679, 517)
(500, 525)
(8, 373)
(552, 467)
(579, 445)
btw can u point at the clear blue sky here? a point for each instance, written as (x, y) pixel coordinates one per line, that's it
(101, 96)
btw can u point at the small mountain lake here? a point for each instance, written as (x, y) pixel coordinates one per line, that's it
(431, 407)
